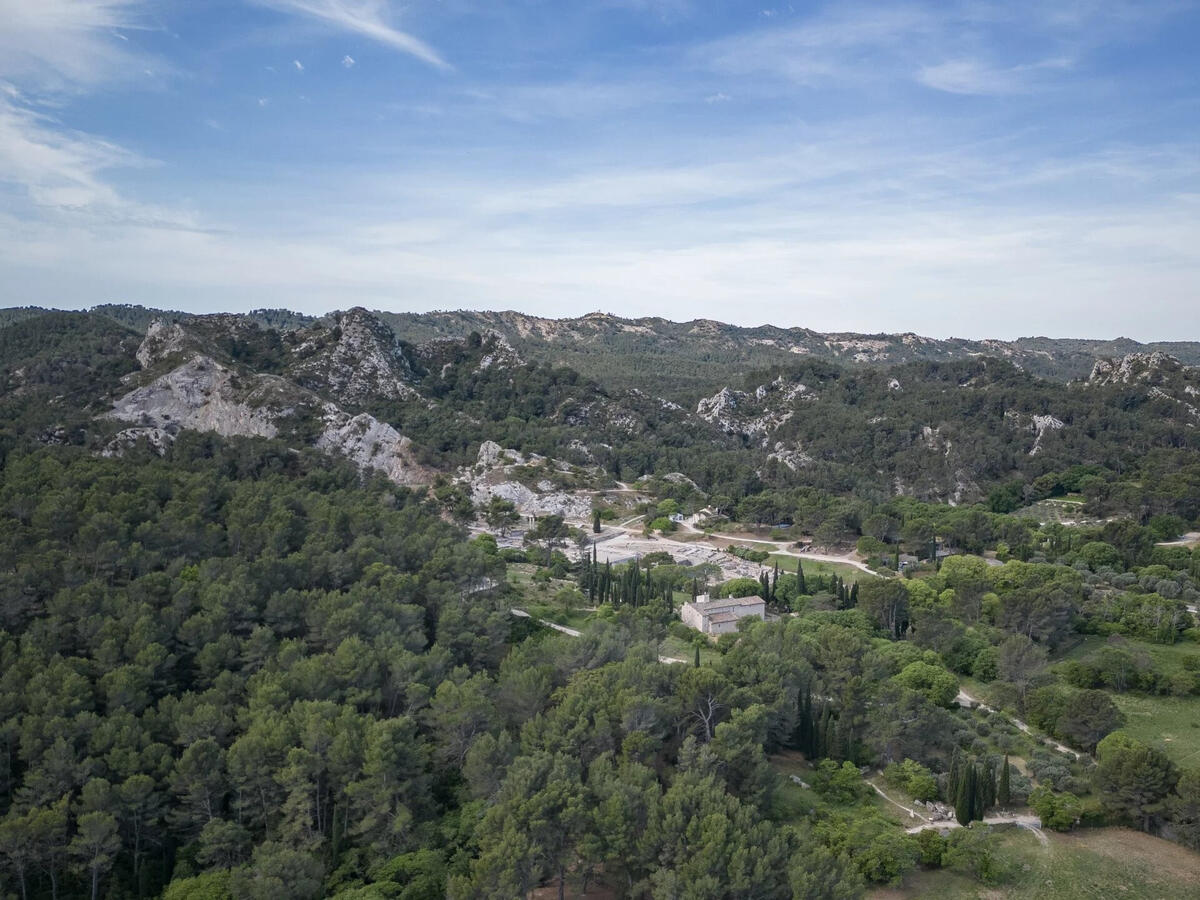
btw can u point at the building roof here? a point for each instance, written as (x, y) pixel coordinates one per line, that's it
(726, 603)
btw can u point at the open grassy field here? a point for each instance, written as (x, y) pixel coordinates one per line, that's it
(1167, 657)
(1090, 863)
(681, 649)
(819, 567)
(1171, 722)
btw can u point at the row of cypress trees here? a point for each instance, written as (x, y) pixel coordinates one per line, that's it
(975, 787)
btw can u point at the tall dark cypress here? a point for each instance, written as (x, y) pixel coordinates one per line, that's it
(954, 777)
(1004, 789)
(854, 596)
(987, 786)
(801, 587)
(964, 801)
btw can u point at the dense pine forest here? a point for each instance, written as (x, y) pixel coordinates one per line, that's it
(241, 657)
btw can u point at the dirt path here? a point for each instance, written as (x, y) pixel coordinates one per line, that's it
(575, 632)
(965, 699)
(1188, 540)
(778, 547)
(520, 613)
(1031, 823)
(912, 813)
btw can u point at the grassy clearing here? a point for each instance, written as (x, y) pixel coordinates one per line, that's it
(1166, 657)
(1099, 863)
(1171, 722)
(818, 567)
(576, 618)
(792, 803)
(685, 650)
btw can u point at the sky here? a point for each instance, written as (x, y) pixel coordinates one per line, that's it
(958, 168)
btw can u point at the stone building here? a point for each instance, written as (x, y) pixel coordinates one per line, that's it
(721, 616)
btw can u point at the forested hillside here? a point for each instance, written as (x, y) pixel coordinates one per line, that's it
(249, 648)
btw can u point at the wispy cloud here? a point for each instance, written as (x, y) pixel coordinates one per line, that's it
(368, 18)
(348, 61)
(299, 65)
(973, 76)
(66, 44)
(55, 167)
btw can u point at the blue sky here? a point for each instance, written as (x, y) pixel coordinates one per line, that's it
(953, 168)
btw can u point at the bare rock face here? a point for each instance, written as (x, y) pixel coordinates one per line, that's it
(792, 457)
(499, 353)
(372, 444)
(355, 360)
(489, 454)
(757, 413)
(198, 395)
(161, 341)
(204, 395)
(1132, 368)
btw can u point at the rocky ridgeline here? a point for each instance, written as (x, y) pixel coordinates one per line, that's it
(493, 476)
(199, 393)
(1164, 378)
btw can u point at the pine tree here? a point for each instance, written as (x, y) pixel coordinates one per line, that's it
(1004, 791)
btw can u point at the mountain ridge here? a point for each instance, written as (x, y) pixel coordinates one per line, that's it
(682, 359)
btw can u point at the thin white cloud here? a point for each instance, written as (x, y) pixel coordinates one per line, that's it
(68, 44)
(348, 61)
(972, 76)
(299, 65)
(367, 18)
(56, 168)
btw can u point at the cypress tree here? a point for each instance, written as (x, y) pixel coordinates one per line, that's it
(1004, 790)
(954, 778)
(988, 787)
(965, 800)
(824, 737)
(801, 587)
(697, 656)
(854, 596)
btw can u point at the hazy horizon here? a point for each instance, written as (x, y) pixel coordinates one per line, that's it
(979, 168)
(647, 316)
